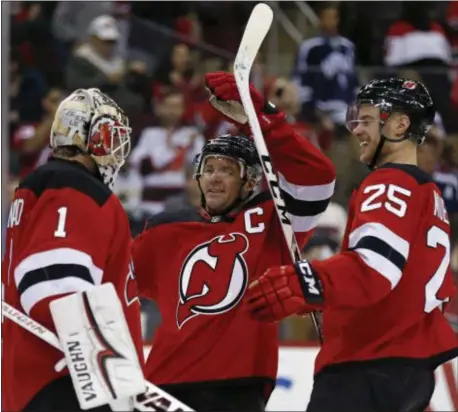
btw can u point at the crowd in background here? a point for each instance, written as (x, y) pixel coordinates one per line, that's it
(151, 58)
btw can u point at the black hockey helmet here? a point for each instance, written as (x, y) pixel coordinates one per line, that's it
(396, 95)
(237, 147)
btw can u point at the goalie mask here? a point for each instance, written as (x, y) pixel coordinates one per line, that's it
(91, 121)
(238, 148)
(391, 96)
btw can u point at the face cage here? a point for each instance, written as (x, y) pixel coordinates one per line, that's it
(109, 142)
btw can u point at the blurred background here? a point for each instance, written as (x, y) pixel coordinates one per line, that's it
(151, 57)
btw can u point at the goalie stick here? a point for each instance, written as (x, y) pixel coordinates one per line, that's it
(154, 399)
(256, 30)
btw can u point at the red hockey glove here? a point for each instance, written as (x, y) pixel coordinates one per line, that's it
(284, 291)
(226, 99)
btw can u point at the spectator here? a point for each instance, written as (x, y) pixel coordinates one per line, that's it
(430, 152)
(211, 122)
(26, 89)
(162, 151)
(180, 73)
(452, 22)
(31, 139)
(191, 197)
(128, 188)
(446, 177)
(325, 74)
(71, 19)
(417, 41)
(31, 34)
(285, 96)
(97, 63)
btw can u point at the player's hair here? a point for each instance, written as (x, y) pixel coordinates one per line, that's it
(67, 151)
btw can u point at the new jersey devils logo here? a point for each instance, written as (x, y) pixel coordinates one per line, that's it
(213, 278)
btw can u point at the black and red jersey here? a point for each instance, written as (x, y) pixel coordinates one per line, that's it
(198, 268)
(384, 291)
(66, 233)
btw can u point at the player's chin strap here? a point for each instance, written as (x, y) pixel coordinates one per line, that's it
(153, 399)
(373, 163)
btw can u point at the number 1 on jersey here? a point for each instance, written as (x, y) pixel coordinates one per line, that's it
(60, 232)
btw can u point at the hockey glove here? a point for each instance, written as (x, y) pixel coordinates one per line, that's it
(225, 98)
(284, 291)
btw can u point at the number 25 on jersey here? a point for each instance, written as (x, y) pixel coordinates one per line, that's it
(393, 201)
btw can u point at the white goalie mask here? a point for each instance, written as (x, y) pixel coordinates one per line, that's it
(93, 122)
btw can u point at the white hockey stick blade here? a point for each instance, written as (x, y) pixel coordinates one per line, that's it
(154, 399)
(255, 32)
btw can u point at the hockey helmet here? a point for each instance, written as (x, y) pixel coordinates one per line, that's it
(397, 95)
(93, 122)
(237, 147)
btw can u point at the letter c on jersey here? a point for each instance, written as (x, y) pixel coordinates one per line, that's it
(249, 226)
(213, 277)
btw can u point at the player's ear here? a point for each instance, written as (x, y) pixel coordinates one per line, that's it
(403, 123)
(249, 185)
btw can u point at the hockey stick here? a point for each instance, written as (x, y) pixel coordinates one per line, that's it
(256, 30)
(154, 399)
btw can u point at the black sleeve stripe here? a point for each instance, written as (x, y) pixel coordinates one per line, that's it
(382, 248)
(54, 272)
(304, 208)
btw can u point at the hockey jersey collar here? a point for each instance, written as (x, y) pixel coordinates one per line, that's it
(76, 165)
(229, 218)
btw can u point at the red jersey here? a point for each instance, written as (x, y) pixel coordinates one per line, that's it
(66, 233)
(384, 291)
(197, 269)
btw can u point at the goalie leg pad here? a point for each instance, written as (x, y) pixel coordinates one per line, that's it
(99, 351)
